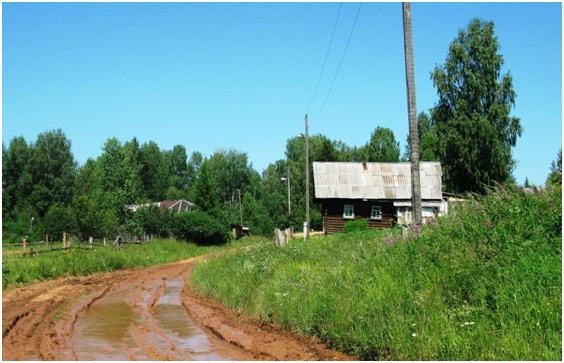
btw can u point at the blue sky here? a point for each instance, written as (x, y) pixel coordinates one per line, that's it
(241, 75)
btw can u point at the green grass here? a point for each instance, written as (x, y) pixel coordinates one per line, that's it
(18, 270)
(484, 283)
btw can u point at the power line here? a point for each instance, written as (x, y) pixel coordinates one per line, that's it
(340, 63)
(325, 61)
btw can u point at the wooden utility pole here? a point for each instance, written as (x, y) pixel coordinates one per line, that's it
(240, 208)
(307, 178)
(412, 111)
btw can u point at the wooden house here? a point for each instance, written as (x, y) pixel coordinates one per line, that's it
(379, 192)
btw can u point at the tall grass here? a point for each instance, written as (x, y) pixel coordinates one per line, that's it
(81, 261)
(484, 283)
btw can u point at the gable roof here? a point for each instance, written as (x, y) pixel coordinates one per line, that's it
(172, 205)
(391, 181)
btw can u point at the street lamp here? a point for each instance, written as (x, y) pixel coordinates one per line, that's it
(306, 136)
(288, 179)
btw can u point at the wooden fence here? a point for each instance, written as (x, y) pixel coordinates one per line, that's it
(67, 244)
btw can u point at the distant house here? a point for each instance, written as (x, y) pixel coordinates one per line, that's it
(181, 205)
(379, 192)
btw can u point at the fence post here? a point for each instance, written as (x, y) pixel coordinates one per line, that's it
(105, 245)
(90, 239)
(64, 242)
(25, 243)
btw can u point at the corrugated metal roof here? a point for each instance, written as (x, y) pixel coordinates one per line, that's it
(352, 180)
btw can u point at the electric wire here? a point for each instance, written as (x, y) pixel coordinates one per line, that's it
(340, 63)
(325, 61)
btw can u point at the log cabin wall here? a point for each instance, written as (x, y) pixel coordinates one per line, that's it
(334, 221)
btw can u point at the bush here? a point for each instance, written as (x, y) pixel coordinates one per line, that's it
(200, 228)
(59, 219)
(356, 225)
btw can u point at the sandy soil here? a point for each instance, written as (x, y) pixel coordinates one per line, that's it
(38, 321)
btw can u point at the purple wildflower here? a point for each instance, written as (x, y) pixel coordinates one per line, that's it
(389, 240)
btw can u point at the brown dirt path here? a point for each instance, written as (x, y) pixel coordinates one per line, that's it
(38, 320)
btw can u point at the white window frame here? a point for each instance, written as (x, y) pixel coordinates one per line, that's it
(376, 212)
(348, 211)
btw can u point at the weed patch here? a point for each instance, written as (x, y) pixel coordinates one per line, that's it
(17, 270)
(483, 283)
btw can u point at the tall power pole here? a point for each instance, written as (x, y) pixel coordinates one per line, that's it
(412, 111)
(240, 208)
(307, 177)
(289, 193)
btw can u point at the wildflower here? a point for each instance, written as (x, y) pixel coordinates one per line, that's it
(389, 241)
(415, 227)
(413, 324)
(489, 224)
(413, 334)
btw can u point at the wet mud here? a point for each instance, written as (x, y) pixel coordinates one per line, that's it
(142, 314)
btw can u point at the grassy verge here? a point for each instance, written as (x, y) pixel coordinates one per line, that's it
(80, 261)
(484, 283)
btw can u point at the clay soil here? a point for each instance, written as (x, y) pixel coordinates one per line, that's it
(38, 321)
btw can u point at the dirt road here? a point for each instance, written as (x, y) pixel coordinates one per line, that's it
(142, 314)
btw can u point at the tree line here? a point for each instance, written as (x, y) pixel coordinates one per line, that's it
(469, 130)
(44, 191)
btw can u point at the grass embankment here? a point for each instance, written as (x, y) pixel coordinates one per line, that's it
(83, 261)
(484, 283)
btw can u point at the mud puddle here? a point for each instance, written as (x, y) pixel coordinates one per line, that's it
(103, 331)
(183, 333)
(155, 327)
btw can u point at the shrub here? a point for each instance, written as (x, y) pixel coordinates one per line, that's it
(356, 225)
(60, 219)
(200, 228)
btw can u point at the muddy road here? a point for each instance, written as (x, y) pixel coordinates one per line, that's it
(141, 314)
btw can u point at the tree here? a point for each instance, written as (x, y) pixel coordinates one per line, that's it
(16, 177)
(154, 172)
(427, 140)
(474, 129)
(382, 146)
(555, 176)
(178, 183)
(58, 220)
(205, 191)
(118, 178)
(53, 171)
(275, 195)
(97, 213)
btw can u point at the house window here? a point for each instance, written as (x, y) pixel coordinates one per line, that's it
(376, 212)
(349, 211)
